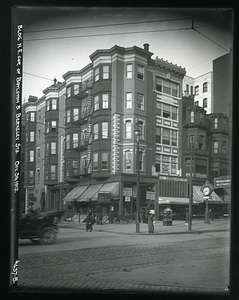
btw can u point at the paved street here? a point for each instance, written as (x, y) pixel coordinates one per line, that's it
(114, 257)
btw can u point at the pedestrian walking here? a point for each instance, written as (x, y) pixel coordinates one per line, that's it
(151, 223)
(90, 220)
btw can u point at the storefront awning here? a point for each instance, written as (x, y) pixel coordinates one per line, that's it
(75, 193)
(112, 189)
(90, 193)
(198, 196)
(172, 200)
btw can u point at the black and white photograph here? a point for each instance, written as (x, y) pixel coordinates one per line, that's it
(122, 147)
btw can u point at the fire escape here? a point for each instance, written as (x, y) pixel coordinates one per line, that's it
(88, 133)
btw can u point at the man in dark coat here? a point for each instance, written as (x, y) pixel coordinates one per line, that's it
(90, 220)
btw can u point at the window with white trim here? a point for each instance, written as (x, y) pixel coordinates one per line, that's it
(68, 92)
(96, 131)
(166, 136)
(31, 176)
(47, 126)
(105, 130)
(141, 126)
(75, 167)
(166, 111)
(174, 141)
(140, 72)
(53, 172)
(32, 117)
(105, 100)
(159, 84)
(158, 134)
(96, 102)
(140, 101)
(47, 105)
(128, 159)
(97, 74)
(192, 116)
(174, 113)
(129, 71)
(76, 114)
(47, 149)
(215, 147)
(32, 154)
(54, 104)
(95, 161)
(32, 136)
(128, 129)
(157, 162)
(68, 116)
(173, 165)
(196, 89)
(76, 89)
(53, 126)
(67, 141)
(75, 140)
(104, 161)
(165, 164)
(106, 72)
(216, 123)
(53, 147)
(128, 100)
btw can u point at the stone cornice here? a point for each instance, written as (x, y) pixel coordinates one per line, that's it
(168, 66)
(78, 72)
(120, 50)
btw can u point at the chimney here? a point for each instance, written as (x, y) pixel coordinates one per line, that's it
(146, 47)
(55, 80)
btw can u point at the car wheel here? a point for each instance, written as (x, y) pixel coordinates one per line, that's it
(48, 236)
(34, 240)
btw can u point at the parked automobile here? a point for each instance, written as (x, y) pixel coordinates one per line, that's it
(40, 226)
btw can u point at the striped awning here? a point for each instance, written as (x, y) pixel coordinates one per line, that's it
(90, 194)
(110, 188)
(75, 193)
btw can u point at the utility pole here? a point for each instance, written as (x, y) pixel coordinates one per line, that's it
(190, 187)
(137, 134)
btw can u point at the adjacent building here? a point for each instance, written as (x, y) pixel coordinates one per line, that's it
(202, 89)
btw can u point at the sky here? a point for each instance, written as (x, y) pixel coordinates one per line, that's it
(57, 40)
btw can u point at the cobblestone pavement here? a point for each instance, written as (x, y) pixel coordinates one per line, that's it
(184, 266)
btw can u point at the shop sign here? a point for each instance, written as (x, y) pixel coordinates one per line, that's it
(104, 197)
(173, 178)
(150, 195)
(222, 182)
(127, 192)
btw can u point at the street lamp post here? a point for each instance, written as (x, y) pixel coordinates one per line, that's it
(190, 186)
(137, 134)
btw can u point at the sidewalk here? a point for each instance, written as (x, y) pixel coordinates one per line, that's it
(178, 227)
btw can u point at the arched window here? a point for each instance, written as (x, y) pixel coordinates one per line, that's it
(128, 159)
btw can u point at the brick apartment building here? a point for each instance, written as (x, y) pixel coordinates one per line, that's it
(83, 152)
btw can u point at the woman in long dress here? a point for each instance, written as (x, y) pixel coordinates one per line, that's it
(150, 223)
